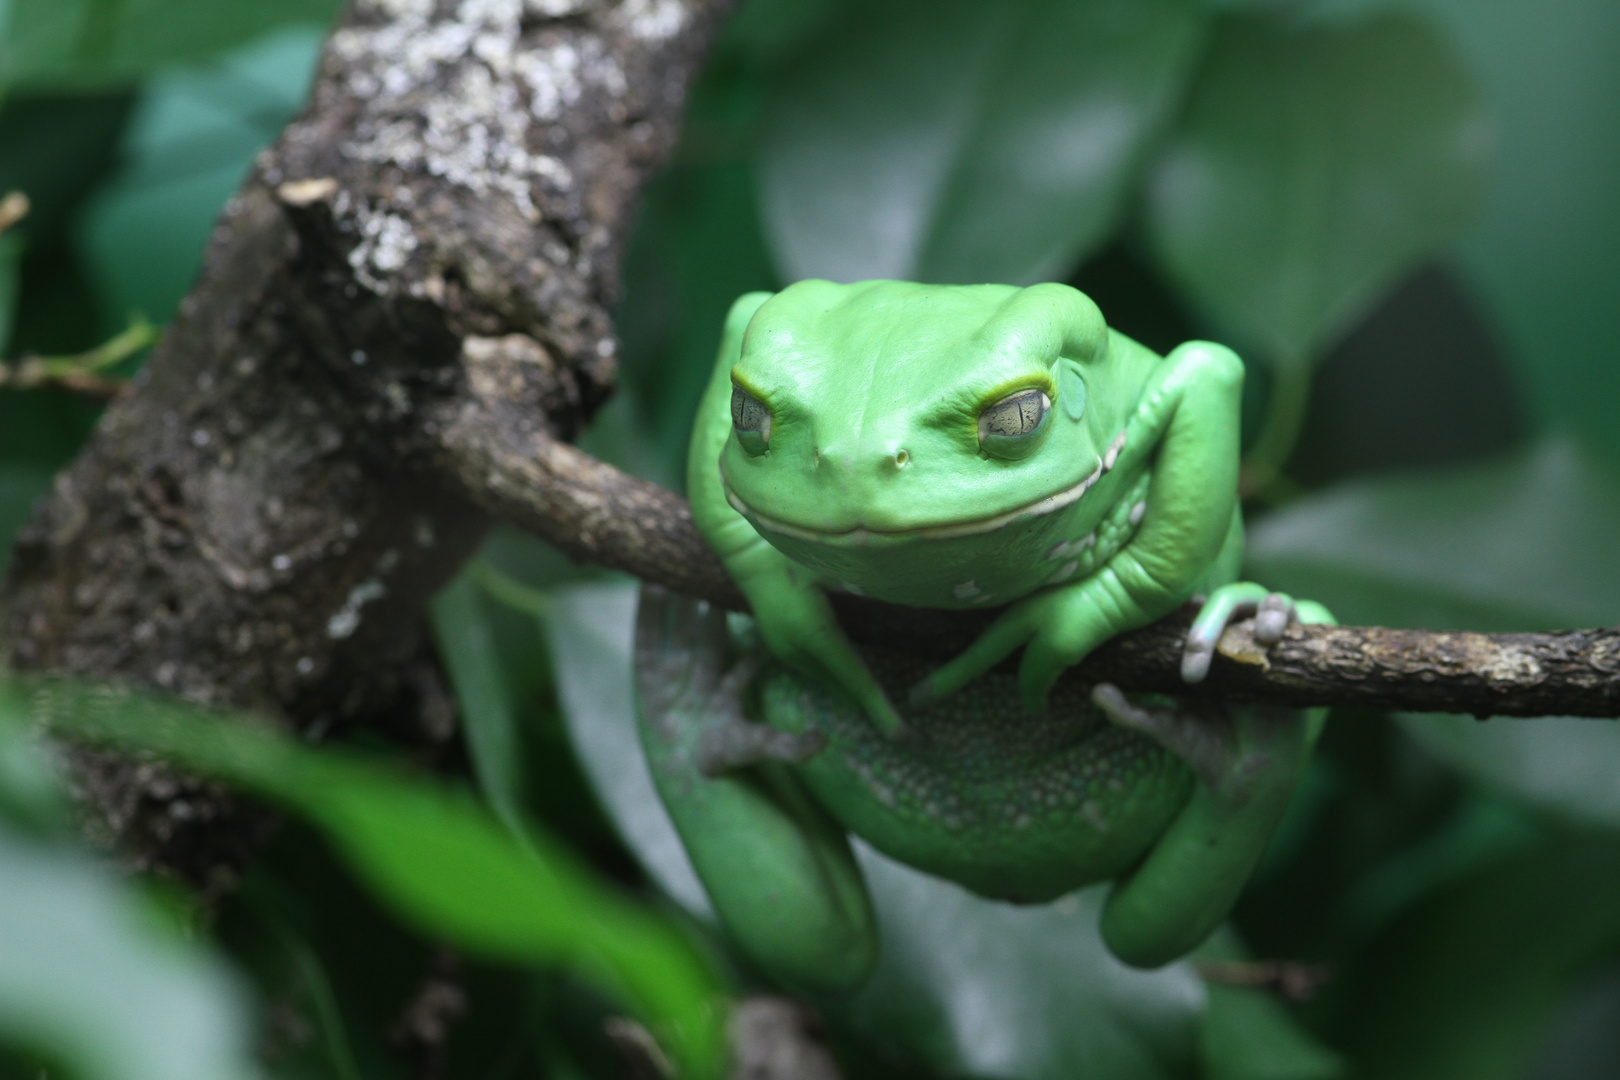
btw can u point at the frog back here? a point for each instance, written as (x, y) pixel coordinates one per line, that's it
(1012, 806)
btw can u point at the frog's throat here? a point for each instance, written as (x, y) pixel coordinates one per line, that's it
(860, 534)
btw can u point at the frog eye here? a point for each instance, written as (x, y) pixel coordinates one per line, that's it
(1011, 428)
(751, 420)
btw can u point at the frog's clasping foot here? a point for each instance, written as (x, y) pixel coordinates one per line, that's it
(1203, 740)
(1272, 612)
(731, 741)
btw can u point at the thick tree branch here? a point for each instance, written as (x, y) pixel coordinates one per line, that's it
(600, 515)
(262, 520)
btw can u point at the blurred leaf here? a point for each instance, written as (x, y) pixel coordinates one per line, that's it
(21, 486)
(1480, 829)
(54, 147)
(86, 981)
(1546, 252)
(489, 717)
(1523, 543)
(436, 857)
(1315, 165)
(970, 985)
(86, 977)
(592, 627)
(85, 43)
(1247, 1034)
(11, 250)
(982, 988)
(31, 795)
(189, 143)
(963, 141)
(1565, 764)
(698, 246)
(1463, 986)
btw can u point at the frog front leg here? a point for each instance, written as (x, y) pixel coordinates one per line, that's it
(1187, 424)
(790, 610)
(1247, 761)
(778, 870)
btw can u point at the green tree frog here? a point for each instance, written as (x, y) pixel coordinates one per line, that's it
(960, 447)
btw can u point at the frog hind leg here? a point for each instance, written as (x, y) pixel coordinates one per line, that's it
(778, 870)
(1247, 761)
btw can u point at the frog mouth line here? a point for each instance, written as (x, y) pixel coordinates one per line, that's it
(860, 534)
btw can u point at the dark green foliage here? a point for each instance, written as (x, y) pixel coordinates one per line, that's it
(1406, 218)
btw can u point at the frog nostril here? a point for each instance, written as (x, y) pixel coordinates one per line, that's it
(901, 459)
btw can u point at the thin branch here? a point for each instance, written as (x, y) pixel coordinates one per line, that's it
(81, 373)
(600, 515)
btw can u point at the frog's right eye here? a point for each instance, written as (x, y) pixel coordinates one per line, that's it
(751, 420)
(1015, 426)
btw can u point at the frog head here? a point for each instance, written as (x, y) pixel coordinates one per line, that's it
(922, 443)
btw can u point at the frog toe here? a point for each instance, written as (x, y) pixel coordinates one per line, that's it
(1271, 618)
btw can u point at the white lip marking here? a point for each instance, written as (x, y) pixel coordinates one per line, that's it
(1065, 572)
(861, 534)
(965, 590)
(1113, 450)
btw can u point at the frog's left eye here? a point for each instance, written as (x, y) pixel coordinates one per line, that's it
(751, 420)
(1013, 427)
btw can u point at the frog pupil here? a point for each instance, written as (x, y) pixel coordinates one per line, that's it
(748, 413)
(1015, 416)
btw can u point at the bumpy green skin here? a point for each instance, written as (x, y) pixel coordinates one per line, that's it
(887, 470)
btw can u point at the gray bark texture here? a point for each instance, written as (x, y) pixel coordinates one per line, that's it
(433, 244)
(402, 318)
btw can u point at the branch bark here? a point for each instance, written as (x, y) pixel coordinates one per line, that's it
(262, 521)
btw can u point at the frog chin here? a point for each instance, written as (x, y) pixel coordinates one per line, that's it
(861, 536)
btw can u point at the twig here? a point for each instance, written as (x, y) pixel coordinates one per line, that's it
(81, 372)
(13, 208)
(1290, 978)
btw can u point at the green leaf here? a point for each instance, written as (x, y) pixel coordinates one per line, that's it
(949, 140)
(1543, 254)
(85, 43)
(489, 715)
(1315, 165)
(436, 857)
(1463, 985)
(592, 627)
(1564, 764)
(968, 985)
(698, 246)
(1524, 543)
(982, 988)
(190, 142)
(11, 249)
(87, 979)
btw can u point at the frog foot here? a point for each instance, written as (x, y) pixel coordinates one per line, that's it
(731, 741)
(1204, 738)
(699, 687)
(1272, 612)
(1234, 753)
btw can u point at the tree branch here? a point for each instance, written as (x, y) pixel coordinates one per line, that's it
(600, 515)
(261, 522)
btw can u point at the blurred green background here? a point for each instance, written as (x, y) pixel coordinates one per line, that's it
(1401, 213)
